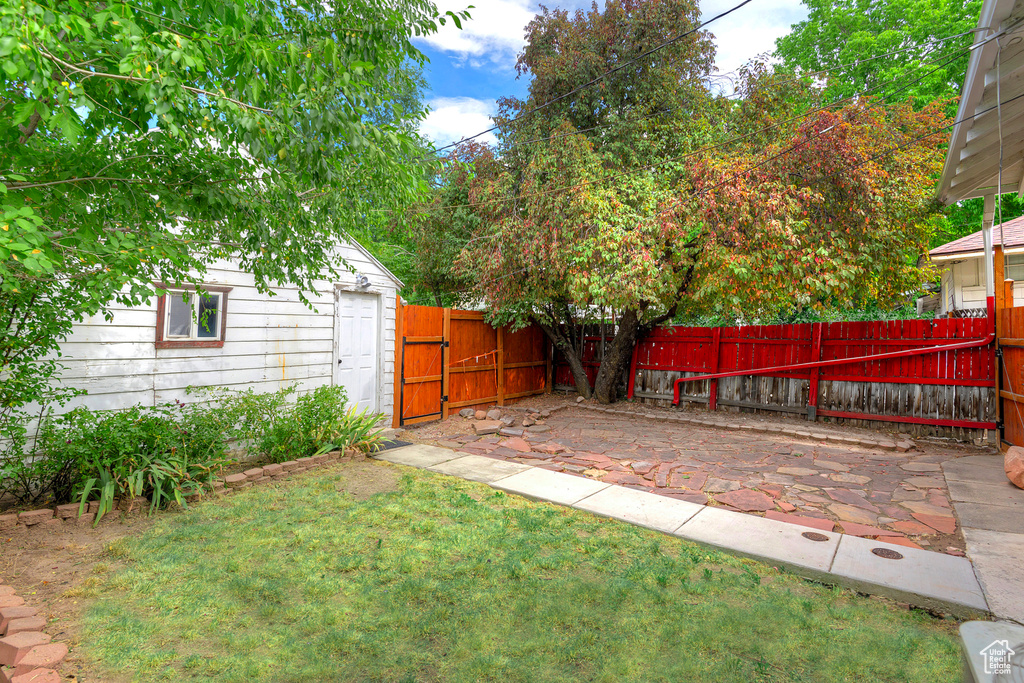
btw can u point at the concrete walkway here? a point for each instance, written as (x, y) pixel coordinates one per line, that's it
(919, 577)
(991, 512)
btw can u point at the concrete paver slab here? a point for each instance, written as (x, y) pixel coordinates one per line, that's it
(775, 542)
(924, 578)
(1005, 494)
(977, 636)
(991, 517)
(479, 468)
(986, 469)
(639, 507)
(997, 561)
(417, 455)
(554, 487)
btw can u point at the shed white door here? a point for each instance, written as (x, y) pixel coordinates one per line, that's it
(356, 334)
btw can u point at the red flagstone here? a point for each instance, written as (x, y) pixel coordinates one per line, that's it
(899, 540)
(850, 498)
(812, 522)
(661, 476)
(784, 506)
(913, 528)
(687, 480)
(517, 444)
(642, 467)
(773, 491)
(746, 499)
(864, 530)
(942, 524)
(549, 447)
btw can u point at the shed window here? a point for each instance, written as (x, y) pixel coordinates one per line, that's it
(186, 317)
(1014, 269)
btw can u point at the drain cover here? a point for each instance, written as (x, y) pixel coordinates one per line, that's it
(814, 536)
(887, 554)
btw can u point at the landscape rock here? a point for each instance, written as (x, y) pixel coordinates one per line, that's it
(747, 500)
(494, 414)
(467, 413)
(510, 431)
(580, 399)
(508, 421)
(529, 421)
(487, 426)
(480, 415)
(1013, 463)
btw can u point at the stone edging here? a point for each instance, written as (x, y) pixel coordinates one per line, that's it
(811, 434)
(26, 653)
(54, 518)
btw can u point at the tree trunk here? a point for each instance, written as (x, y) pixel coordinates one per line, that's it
(617, 356)
(572, 356)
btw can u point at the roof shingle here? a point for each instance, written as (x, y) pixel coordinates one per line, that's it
(1013, 231)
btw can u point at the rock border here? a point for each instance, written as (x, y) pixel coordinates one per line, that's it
(809, 434)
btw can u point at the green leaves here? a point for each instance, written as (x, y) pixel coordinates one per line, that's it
(145, 140)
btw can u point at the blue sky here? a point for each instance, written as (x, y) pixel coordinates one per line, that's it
(471, 68)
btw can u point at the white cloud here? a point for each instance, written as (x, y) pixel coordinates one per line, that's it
(750, 30)
(494, 34)
(452, 118)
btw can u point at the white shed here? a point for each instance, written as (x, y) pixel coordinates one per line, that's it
(150, 354)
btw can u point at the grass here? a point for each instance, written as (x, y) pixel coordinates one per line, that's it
(446, 580)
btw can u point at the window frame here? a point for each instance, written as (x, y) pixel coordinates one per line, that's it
(1008, 265)
(162, 309)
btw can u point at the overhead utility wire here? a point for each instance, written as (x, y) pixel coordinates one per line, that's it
(602, 76)
(695, 152)
(734, 95)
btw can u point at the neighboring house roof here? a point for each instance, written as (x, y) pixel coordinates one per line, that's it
(973, 160)
(1013, 232)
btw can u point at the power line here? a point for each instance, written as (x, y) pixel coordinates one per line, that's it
(700, 150)
(734, 95)
(602, 76)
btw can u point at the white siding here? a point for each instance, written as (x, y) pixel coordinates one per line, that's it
(963, 284)
(270, 342)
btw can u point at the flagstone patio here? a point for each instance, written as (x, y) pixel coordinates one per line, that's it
(861, 489)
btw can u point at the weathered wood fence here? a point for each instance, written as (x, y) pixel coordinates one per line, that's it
(952, 390)
(951, 393)
(450, 359)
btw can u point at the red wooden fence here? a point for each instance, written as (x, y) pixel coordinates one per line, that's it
(688, 351)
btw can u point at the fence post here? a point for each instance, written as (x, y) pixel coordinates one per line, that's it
(716, 344)
(396, 399)
(446, 333)
(631, 385)
(499, 364)
(812, 399)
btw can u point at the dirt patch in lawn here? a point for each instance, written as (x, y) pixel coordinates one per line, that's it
(364, 479)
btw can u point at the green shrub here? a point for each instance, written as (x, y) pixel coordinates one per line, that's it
(301, 429)
(164, 453)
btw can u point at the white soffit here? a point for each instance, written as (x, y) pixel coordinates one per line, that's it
(972, 161)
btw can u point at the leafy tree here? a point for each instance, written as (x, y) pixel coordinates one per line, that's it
(840, 32)
(558, 257)
(144, 140)
(830, 214)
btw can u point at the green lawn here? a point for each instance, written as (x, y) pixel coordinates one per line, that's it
(446, 580)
